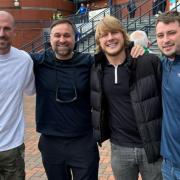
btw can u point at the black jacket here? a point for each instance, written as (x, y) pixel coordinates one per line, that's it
(145, 93)
(57, 82)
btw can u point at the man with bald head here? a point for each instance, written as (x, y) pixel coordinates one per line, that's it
(16, 78)
(140, 37)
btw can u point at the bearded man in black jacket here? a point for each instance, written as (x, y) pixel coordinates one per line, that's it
(126, 103)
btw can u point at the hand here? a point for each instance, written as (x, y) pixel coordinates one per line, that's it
(137, 51)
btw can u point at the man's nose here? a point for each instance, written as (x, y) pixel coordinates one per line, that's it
(166, 38)
(109, 36)
(62, 38)
(1, 32)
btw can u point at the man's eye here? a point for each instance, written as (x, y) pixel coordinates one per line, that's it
(67, 35)
(7, 29)
(57, 35)
(160, 35)
(103, 35)
(115, 32)
(172, 32)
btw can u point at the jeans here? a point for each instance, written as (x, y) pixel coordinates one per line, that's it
(12, 165)
(170, 171)
(128, 162)
(70, 158)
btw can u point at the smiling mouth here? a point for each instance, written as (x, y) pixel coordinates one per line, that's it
(2, 42)
(112, 45)
(3, 38)
(59, 46)
(168, 46)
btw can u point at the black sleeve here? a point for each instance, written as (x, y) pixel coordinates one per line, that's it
(38, 58)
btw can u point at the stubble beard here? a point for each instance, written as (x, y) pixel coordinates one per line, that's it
(4, 45)
(65, 52)
(113, 54)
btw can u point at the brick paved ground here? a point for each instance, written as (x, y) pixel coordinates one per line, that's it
(34, 168)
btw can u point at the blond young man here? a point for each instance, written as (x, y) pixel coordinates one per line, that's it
(126, 103)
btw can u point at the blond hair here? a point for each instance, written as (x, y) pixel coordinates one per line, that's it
(109, 24)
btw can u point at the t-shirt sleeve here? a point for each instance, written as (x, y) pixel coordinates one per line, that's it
(29, 87)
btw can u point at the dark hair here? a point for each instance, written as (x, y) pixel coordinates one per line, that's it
(169, 17)
(63, 21)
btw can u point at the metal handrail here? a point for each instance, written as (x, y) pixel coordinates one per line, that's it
(140, 17)
(90, 32)
(152, 25)
(146, 28)
(93, 23)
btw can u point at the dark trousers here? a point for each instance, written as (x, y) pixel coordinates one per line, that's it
(12, 165)
(132, 13)
(162, 7)
(69, 158)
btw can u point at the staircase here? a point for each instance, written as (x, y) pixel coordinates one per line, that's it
(86, 43)
(145, 22)
(147, 26)
(86, 29)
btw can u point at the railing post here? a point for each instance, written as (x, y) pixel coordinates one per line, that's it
(127, 23)
(81, 31)
(149, 17)
(93, 23)
(88, 42)
(140, 14)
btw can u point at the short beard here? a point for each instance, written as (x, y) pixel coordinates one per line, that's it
(116, 53)
(64, 54)
(169, 55)
(5, 47)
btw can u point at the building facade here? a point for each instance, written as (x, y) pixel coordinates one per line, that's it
(33, 15)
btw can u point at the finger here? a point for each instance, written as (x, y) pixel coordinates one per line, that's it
(137, 51)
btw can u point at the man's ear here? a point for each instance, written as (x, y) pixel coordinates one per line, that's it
(14, 32)
(149, 44)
